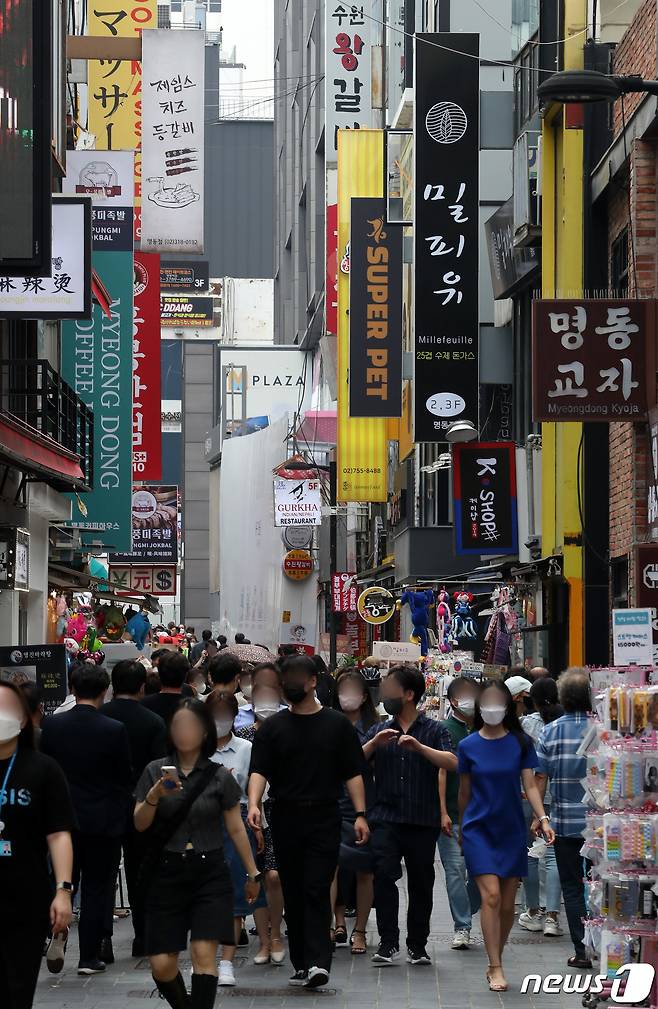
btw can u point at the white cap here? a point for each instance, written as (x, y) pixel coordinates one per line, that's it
(518, 685)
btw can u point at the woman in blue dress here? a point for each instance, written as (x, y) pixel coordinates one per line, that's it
(495, 762)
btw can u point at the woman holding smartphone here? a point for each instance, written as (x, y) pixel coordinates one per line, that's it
(492, 759)
(187, 800)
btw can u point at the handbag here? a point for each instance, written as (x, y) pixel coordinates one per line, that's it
(157, 836)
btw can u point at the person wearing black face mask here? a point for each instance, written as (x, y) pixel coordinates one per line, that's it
(407, 752)
(307, 754)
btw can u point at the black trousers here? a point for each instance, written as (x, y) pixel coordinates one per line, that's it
(133, 845)
(21, 949)
(572, 869)
(306, 843)
(95, 864)
(391, 843)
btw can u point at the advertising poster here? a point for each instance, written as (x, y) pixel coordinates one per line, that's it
(108, 177)
(485, 498)
(181, 312)
(184, 276)
(632, 637)
(446, 233)
(155, 523)
(147, 406)
(97, 364)
(173, 141)
(44, 665)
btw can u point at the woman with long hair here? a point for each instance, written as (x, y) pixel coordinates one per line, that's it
(491, 760)
(37, 820)
(188, 801)
(355, 701)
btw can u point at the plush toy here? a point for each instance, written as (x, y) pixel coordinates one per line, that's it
(76, 627)
(419, 604)
(443, 620)
(138, 628)
(111, 623)
(463, 625)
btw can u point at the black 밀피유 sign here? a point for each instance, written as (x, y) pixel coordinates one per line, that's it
(446, 227)
(375, 311)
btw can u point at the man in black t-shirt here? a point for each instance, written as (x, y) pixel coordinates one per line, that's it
(307, 754)
(172, 669)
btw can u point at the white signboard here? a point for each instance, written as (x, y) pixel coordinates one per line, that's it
(350, 36)
(263, 382)
(109, 178)
(172, 140)
(66, 293)
(396, 651)
(297, 502)
(632, 637)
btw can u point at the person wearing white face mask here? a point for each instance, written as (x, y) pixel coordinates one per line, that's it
(266, 673)
(36, 819)
(493, 831)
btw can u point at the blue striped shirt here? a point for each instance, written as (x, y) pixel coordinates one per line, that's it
(556, 750)
(406, 784)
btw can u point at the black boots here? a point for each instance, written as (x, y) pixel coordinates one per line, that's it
(204, 990)
(175, 992)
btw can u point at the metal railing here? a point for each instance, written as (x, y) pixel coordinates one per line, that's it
(34, 393)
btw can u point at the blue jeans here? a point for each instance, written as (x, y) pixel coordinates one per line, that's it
(552, 890)
(463, 894)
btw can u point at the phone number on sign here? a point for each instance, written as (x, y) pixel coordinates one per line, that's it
(360, 469)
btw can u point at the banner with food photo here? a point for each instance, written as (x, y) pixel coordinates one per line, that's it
(155, 525)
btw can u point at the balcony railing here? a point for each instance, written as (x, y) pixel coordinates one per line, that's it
(34, 393)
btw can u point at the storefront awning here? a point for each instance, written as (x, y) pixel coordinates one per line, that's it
(39, 456)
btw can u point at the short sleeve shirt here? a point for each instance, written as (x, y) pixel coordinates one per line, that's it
(236, 757)
(204, 824)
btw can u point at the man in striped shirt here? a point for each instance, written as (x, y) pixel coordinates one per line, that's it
(559, 761)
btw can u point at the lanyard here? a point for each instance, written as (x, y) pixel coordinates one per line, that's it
(3, 790)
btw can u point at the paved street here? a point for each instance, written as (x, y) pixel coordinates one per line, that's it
(455, 981)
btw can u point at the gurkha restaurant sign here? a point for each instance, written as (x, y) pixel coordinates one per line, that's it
(593, 360)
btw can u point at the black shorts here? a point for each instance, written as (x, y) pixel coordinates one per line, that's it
(190, 894)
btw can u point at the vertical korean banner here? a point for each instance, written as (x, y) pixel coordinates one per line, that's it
(97, 363)
(115, 86)
(446, 232)
(173, 141)
(362, 441)
(350, 35)
(147, 408)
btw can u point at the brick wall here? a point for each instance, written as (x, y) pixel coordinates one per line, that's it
(636, 54)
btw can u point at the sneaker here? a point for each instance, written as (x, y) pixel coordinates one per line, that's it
(552, 927)
(244, 939)
(461, 939)
(56, 951)
(226, 977)
(418, 957)
(386, 955)
(107, 950)
(91, 967)
(299, 978)
(317, 977)
(531, 922)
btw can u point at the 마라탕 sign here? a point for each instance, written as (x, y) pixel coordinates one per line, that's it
(297, 502)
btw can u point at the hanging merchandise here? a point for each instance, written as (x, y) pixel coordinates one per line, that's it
(502, 626)
(444, 620)
(419, 604)
(76, 627)
(111, 622)
(463, 624)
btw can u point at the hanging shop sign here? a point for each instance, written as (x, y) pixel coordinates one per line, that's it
(298, 565)
(485, 498)
(97, 364)
(108, 177)
(185, 275)
(375, 363)
(297, 502)
(446, 232)
(297, 537)
(632, 637)
(647, 586)
(65, 293)
(344, 592)
(376, 605)
(652, 482)
(14, 558)
(155, 522)
(173, 141)
(294, 632)
(147, 406)
(179, 312)
(511, 267)
(396, 651)
(115, 86)
(351, 33)
(43, 665)
(151, 579)
(593, 359)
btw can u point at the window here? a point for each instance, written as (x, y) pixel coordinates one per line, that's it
(525, 22)
(525, 85)
(215, 6)
(619, 574)
(619, 265)
(164, 17)
(176, 6)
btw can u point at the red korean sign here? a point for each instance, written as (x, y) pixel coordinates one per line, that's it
(147, 427)
(344, 594)
(298, 565)
(593, 359)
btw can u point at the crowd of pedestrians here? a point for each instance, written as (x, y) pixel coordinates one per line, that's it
(275, 790)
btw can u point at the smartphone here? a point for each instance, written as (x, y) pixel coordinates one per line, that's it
(171, 777)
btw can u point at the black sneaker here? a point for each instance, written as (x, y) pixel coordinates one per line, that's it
(56, 951)
(317, 977)
(91, 967)
(299, 978)
(244, 938)
(418, 957)
(107, 950)
(386, 955)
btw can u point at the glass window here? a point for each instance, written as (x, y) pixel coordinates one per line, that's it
(176, 6)
(525, 22)
(619, 265)
(215, 6)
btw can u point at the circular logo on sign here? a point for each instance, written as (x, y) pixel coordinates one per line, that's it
(297, 537)
(298, 565)
(16, 657)
(141, 278)
(376, 605)
(445, 404)
(144, 504)
(446, 122)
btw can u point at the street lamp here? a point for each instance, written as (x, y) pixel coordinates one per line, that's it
(461, 431)
(580, 86)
